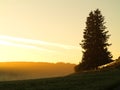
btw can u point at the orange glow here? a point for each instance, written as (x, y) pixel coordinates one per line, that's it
(28, 70)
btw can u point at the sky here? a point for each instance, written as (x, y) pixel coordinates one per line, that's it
(51, 30)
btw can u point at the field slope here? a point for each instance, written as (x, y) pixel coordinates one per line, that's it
(95, 80)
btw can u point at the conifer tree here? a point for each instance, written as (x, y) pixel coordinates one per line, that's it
(95, 43)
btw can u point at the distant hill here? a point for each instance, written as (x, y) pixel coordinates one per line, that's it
(32, 70)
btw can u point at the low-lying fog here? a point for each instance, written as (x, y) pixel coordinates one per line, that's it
(32, 70)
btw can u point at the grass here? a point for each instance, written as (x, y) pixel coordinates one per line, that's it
(95, 80)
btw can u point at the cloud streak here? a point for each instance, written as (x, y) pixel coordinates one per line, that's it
(38, 42)
(6, 43)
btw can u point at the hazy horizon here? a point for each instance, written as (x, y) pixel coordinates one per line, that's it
(33, 70)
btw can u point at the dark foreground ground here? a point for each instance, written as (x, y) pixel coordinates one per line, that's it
(96, 80)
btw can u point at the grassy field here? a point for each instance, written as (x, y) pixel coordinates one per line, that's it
(95, 80)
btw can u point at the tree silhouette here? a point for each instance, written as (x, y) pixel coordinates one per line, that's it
(95, 43)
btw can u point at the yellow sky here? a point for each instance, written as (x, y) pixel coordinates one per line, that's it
(51, 30)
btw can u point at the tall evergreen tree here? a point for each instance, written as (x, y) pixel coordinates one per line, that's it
(95, 42)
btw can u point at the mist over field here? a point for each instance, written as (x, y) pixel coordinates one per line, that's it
(32, 70)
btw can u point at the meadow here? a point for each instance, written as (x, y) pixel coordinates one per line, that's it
(94, 80)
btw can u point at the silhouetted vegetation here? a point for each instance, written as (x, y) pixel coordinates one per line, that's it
(112, 65)
(95, 43)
